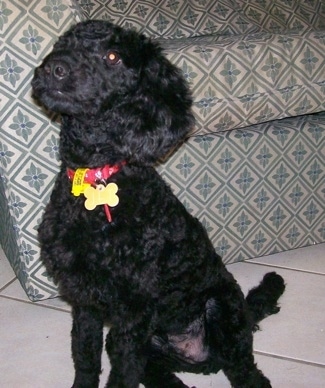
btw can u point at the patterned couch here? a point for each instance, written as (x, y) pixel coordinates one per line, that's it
(253, 169)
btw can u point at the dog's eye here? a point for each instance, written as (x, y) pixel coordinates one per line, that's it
(112, 58)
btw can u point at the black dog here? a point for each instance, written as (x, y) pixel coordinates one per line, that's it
(122, 248)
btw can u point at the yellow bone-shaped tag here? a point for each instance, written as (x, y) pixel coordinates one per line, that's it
(101, 195)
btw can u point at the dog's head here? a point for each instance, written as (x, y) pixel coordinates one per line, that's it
(118, 89)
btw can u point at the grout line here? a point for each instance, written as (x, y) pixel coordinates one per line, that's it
(8, 284)
(284, 267)
(299, 361)
(37, 304)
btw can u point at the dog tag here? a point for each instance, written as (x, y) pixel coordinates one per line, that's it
(101, 195)
(78, 184)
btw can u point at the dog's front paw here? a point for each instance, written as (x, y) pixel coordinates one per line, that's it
(83, 380)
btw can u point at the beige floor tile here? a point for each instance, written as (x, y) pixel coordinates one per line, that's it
(291, 374)
(34, 346)
(310, 259)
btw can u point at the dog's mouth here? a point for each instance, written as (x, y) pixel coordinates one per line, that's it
(52, 96)
(44, 88)
(60, 96)
(57, 94)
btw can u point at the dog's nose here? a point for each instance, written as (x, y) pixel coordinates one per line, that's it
(57, 69)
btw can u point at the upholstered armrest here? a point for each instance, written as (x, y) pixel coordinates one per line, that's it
(238, 81)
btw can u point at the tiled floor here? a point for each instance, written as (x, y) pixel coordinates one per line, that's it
(290, 349)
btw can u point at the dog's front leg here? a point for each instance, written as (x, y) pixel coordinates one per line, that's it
(127, 354)
(87, 345)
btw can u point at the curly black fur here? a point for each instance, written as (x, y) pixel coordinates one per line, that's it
(152, 274)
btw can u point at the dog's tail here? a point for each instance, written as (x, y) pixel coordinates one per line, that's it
(263, 299)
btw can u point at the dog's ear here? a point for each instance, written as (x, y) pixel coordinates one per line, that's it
(163, 101)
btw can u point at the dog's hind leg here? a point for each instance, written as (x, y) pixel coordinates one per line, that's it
(237, 360)
(230, 338)
(245, 374)
(87, 345)
(235, 355)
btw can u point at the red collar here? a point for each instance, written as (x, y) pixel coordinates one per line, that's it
(82, 178)
(97, 175)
